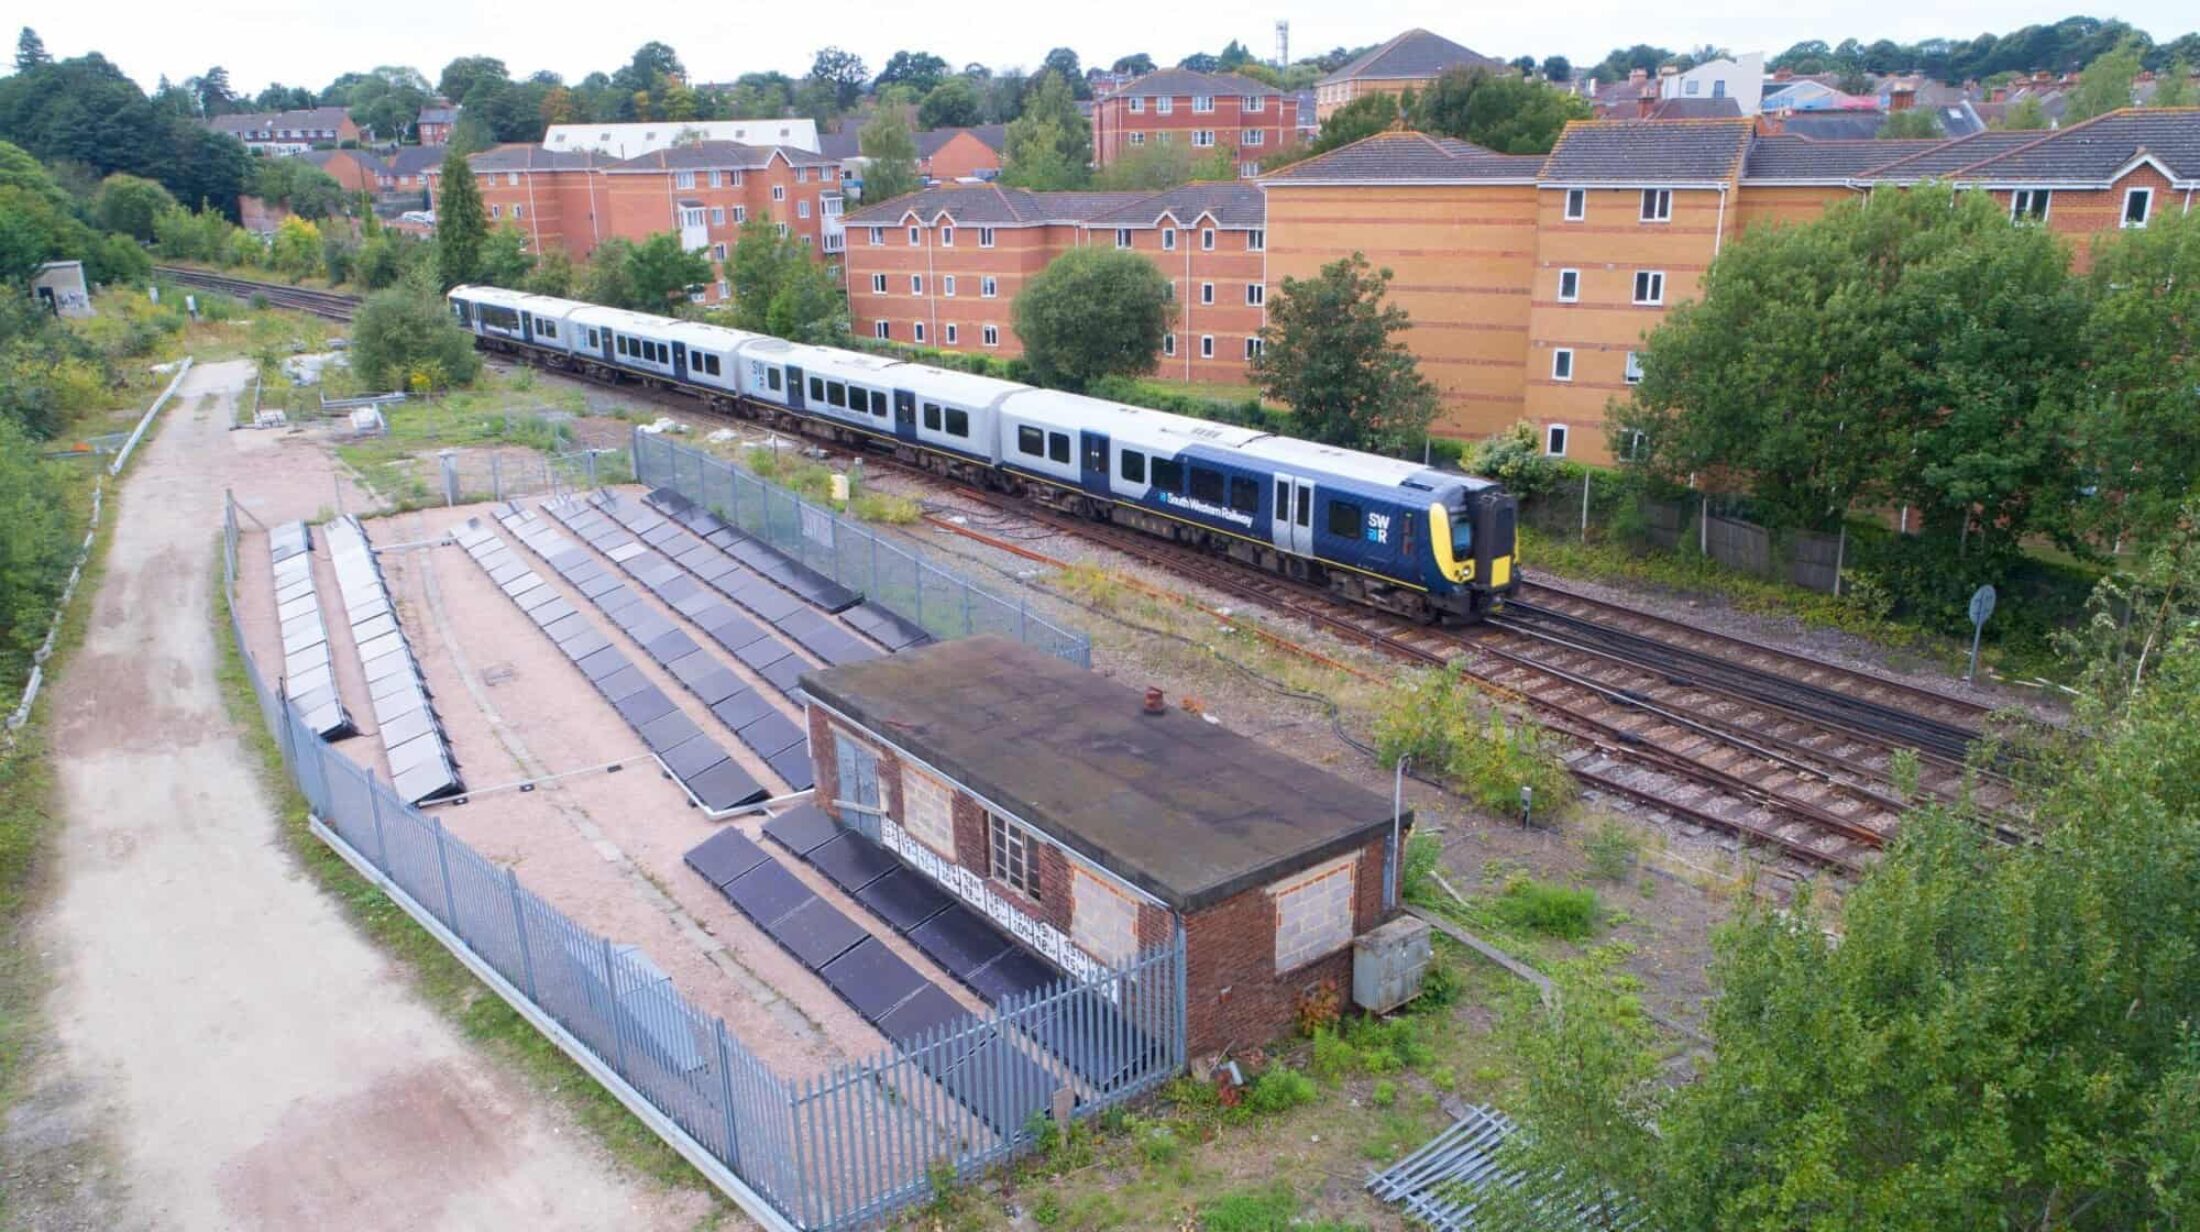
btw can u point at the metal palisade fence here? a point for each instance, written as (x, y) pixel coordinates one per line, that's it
(884, 572)
(842, 1150)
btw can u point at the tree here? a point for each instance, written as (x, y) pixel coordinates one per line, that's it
(505, 261)
(1557, 68)
(1498, 111)
(1137, 65)
(129, 204)
(1917, 123)
(843, 71)
(461, 223)
(1062, 62)
(2138, 430)
(1049, 146)
(664, 275)
(387, 100)
(2024, 116)
(1151, 168)
(809, 307)
(404, 338)
(954, 103)
(1523, 65)
(295, 251)
(1092, 312)
(37, 543)
(608, 278)
(892, 169)
(1200, 62)
(1625, 60)
(1331, 351)
(1004, 97)
(761, 96)
(778, 289)
(2105, 85)
(2173, 88)
(818, 100)
(30, 51)
(919, 70)
(1357, 120)
(461, 75)
(213, 92)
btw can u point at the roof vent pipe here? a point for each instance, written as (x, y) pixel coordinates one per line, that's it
(1154, 704)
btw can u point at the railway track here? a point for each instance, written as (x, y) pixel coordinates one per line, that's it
(1786, 754)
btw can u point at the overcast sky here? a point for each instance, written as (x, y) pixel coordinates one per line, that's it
(260, 41)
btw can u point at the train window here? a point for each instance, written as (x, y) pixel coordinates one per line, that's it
(1168, 474)
(1206, 485)
(618, 343)
(594, 339)
(1133, 466)
(1030, 440)
(1344, 519)
(715, 366)
(878, 403)
(1305, 514)
(771, 378)
(1244, 495)
(958, 422)
(931, 416)
(1058, 446)
(817, 389)
(836, 393)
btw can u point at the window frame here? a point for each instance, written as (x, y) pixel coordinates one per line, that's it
(1558, 435)
(1566, 295)
(1656, 283)
(1256, 294)
(1009, 855)
(878, 284)
(1168, 239)
(1206, 346)
(882, 329)
(916, 331)
(1631, 371)
(1657, 205)
(1026, 435)
(985, 237)
(1351, 509)
(1562, 363)
(2023, 200)
(1577, 204)
(2142, 194)
(988, 287)
(989, 335)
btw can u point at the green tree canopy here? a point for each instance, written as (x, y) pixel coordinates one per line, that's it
(841, 71)
(1913, 124)
(461, 222)
(505, 261)
(1092, 312)
(2025, 115)
(953, 103)
(1151, 168)
(404, 338)
(919, 70)
(1357, 120)
(1333, 353)
(778, 289)
(2173, 88)
(1499, 111)
(892, 153)
(2105, 85)
(461, 75)
(1049, 146)
(664, 275)
(128, 204)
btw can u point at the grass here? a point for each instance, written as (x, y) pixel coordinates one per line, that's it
(498, 411)
(433, 974)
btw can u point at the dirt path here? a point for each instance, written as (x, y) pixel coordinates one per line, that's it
(229, 1053)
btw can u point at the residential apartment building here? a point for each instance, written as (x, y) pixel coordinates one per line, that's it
(704, 192)
(1205, 111)
(1411, 61)
(435, 124)
(943, 154)
(288, 132)
(632, 140)
(942, 267)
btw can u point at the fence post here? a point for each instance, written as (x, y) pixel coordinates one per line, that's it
(374, 806)
(1023, 618)
(1182, 1025)
(496, 477)
(519, 928)
(591, 455)
(611, 989)
(966, 610)
(443, 861)
(1585, 473)
(1703, 526)
(725, 1095)
(1840, 555)
(449, 458)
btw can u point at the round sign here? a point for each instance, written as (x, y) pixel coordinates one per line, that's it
(1982, 604)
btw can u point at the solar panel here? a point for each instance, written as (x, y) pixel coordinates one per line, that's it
(716, 686)
(1089, 1035)
(871, 978)
(927, 1010)
(767, 892)
(692, 757)
(741, 709)
(602, 665)
(903, 898)
(1015, 972)
(724, 856)
(960, 940)
(623, 683)
(669, 731)
(771, 734)
(641, 707)
(852, 861)
(724, 786)
(802, 829)
(795, 767)
(992, 1077)
(816, 933)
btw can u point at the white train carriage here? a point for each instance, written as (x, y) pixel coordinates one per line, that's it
(628, 341)
(515, 316)
(957, 413)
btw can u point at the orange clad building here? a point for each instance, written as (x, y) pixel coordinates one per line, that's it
(1205, 111)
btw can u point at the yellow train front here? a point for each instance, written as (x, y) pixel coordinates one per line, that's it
(1472, 548)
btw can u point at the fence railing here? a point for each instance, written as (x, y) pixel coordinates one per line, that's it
(1597, 506)
(884, 572)
(841, 1151)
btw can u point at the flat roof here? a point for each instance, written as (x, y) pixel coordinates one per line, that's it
(1187, 810)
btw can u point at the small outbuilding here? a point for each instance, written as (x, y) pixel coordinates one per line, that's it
(1092, 823)
(60, 288)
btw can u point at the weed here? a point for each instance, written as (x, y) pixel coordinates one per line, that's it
(1333, 1058)
(1385, 1094)
(1440, 986)
(1251, 1210)
(1554, 911)
(1278, 1090)
(1158, 1145)
(1319, 1008)
(1047, 1211)
(1443, 1079)
(885, 508)
(1613, 850)
(1902, 772)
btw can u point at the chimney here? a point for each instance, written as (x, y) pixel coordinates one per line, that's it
(1645, 105)
(1901, 98)
(1783, 74)
(2000, 94)
(1154, 703)
(1636, 76)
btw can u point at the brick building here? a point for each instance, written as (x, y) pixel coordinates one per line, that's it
(1049, 799)
(1411, 61)
(434, 126)
(1205, 111)
(288, 132)
(941, 267)
(704, 192)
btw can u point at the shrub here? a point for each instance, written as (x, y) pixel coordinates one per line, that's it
(1319, 1008)
(1516, 459)
(1158, 1145)
(1555, 911)
(1280, 1089)
(1047, 1211)
(403, 336)
(1613, 850)
(1385, 1094)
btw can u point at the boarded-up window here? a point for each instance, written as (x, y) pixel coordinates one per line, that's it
(1103, 921)
(929, 810)
(1314, 913)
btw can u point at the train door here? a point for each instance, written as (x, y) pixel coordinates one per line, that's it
(796, 400)
(526, 326)
(1093, 468)
(679, 361)
(905, 415)
(1292, 523)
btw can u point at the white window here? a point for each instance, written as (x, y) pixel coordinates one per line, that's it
(496, 211)
(1657, 205)
(1256, 241)
(1206, 346)
(1253, 102)
(1692, 87)
(2138, 203)
(1634, 368)
(878, 284)
(783, 231)
(947, 237)
(519, 211)
(802, 209)
(1168, 239)
(716, 179)
(916, 330)
(916, 284)
(1253, 136)
(779, 192)
(2029, 204)
(1649, 286)
(683, 179)
(878, 236)
(1718, 88)
(1164, 105)
(1203, 137)
(1009, 856)
(1256, 294)
(985, 237)
(1203, 102)
(725, 291)
(1577, 204)
(1634, 447)
(1137, 103)
(1206, 293)
(1122, 237)
(1562, 364)
(1138, 138)
(1554, 440)
(1569, 286)
(1161, 138)
(740, 214)
(882, 329)
(947, 285)
(988, 288)
(950, 333)
(990, 334)
(718, 252)
(1207, 239)
(512, 178)
(915, 237)
(1253, 347)
(718, 216)
(1168, 344)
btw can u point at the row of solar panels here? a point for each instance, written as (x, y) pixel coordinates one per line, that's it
(744, 710)
(309, 673)
(887, 629)
(419, 753)
(709, 775)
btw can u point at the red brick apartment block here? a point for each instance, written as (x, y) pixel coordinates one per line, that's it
(1205, 111)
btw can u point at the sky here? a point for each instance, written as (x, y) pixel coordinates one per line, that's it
(260, 41)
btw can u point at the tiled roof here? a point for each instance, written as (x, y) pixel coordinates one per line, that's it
(1697, 109)
(2093, 152)
(526, 156)
(1414, 54)
(1802, 160)
(1409, 156)
(1179, 81)
(1945, 157)
(439, 115)
(1233, 205)
(1648, 152)
(1834, 125)
(262, 121)
(724, 155)
(838, 146)
(993, 205)
(414, 159)
(993, 136)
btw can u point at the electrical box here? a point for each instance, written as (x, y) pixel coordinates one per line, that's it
(1388, 963)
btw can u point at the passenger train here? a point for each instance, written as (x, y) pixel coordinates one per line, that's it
(1391, 534)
